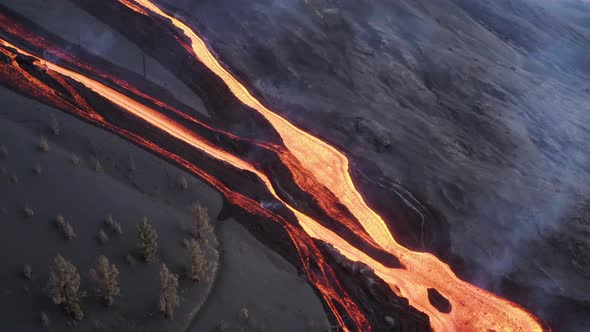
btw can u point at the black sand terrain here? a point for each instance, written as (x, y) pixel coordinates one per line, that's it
(242, 273)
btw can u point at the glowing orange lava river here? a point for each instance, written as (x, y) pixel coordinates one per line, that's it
(316, 167)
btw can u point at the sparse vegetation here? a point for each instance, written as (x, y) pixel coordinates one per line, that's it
(54, 125)
(201, 225)
(69, 232)
(102, 236)
(147, 240)
(196, 265)
(183, 183)
(13, 179)
(113, 225)
(38, 169)
(169, 299)
(75, 160)
(64, 287)
(105, 276)
(28, 212)
(28, 272)
(3, 151)
(43, 145)
(60, 221)
(66, 228)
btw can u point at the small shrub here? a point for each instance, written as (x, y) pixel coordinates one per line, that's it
(66, 228)
(3, 151)
(28, 212)
(183, 183)
(102, 236)
(75, 160)
(43, 145)
(109, 221)
(60, 221)
(54, 125)
(45, 320)
(169, 299)
(130, 259)
(105, 277)
(118, 229)
(222, 326)
(69, 232)
(113, 225)
(147, 240)
(244, 313)
(28, 272)
(64, 287)
(38, 169)
(14, 179)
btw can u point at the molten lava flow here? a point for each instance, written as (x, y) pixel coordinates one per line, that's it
(474, 309)
(321, 276)
(305, 180)
(324, 280)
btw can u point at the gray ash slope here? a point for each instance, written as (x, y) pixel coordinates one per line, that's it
(479, 108)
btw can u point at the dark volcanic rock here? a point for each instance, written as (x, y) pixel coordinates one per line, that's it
(438, 301)
(375, 132)
(384, 310)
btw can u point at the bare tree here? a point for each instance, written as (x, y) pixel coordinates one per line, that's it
(64, 286)
(169, 299)
(196, 263)
(105, 276)
(147, 240)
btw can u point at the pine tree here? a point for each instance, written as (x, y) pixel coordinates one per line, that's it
(105, 276)
(196, 263)
(201, 223)
(169, 299)
(64, 286)
(147, 240)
